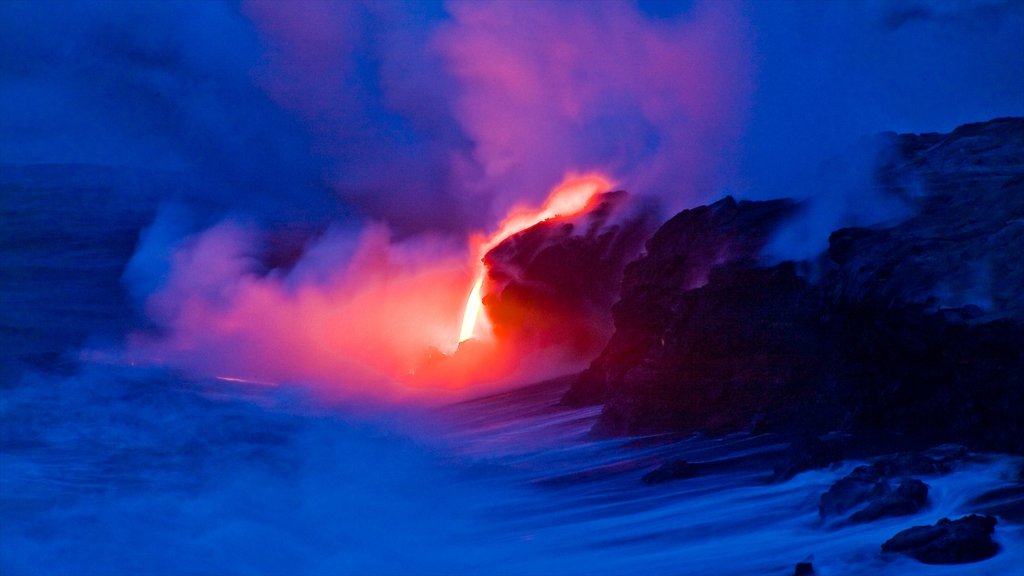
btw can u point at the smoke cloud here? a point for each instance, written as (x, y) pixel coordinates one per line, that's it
(333, 158)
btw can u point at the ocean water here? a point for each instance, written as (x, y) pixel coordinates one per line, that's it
(108, 468)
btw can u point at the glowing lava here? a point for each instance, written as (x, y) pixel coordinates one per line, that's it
(473, 305)
(568, 198)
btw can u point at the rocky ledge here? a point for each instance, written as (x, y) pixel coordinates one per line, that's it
(968, 539)
(913, 331)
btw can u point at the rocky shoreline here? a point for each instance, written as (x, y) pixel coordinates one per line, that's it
(913, 331)
(897, 339)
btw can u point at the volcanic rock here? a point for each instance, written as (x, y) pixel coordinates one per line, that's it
(961, 250)
(700, 275)
(680, 257)
(909, 497)
(803, 569)
(808, 452)
(554, 283)
(914, 464)
(860, 486)
(968, 539)
(911, 331)
(869, 489)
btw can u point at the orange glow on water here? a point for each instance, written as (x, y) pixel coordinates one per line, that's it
(568, 198)
(360, 314)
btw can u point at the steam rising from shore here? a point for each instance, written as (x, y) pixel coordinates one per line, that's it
(378, 137)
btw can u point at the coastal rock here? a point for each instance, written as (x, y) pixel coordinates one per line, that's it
(803, 569)
(911, 331)
(554, 283)
(860, 486)
(808, 452)
(869, 489)
(909, 497)
(673, 290)
(679, 257)
(968, 539)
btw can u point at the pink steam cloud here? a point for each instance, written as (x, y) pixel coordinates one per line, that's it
(505, 98)
(536, 91)
(545, 87)
(358, 330)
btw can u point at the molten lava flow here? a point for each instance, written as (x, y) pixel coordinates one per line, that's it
(472, 310)
(569, 197)
(378, 325)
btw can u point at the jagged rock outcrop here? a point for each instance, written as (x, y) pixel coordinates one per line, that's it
(962, 247)
(968, 539)
(656, 288)
(915, 330)
(554, 283)
(879, 490)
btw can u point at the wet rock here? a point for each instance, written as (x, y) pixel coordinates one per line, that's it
(868, 490)
(680, 257)
(803, 569)
(968, 539)
(669, 471)
(908, 331)
(909, 497)
(809, 452)
(912, 464)
(859, 487)
(554, 283)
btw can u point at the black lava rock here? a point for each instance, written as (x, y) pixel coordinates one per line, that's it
(968, 539)
(803, 569)
(809, 452)
(910, 330)
(910, 497)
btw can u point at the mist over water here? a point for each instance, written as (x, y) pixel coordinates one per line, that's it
(331, 164)
(147, 472)
(107, 468)
(183, 182)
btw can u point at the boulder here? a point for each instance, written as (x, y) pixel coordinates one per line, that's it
(808, 452)
(869, 490)
(968, 539)
(859, 487)
(803, 569)
(908, 498)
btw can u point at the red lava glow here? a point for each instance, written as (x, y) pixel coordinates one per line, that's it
(568, 198)
(359, 314)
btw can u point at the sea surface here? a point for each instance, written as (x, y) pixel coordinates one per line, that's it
(110, 468)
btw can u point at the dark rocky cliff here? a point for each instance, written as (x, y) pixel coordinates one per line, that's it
(554, 283)
(915, 330)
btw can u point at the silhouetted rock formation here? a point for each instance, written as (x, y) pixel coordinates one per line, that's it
(698, 277)
(874, 496)
(803, 569)
(913, 330)
(968, 539)
(554, 283)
